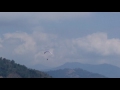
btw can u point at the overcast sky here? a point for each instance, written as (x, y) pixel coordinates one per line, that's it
(86, 37)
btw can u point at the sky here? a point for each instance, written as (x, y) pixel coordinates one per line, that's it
(85, 37)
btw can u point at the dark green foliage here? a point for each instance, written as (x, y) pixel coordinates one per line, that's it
(8, 68)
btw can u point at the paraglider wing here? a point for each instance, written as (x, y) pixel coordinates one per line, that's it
(48, 53)
(44, 52)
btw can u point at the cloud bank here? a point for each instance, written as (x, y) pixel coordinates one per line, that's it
(99, 43)
(79, 49)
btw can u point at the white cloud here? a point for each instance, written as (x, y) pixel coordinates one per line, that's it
(27, 42)
(31, 45)
(67, 50)
(99, 43)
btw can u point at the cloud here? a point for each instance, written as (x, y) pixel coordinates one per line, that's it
(34, 42)
(34, 45)
(37, 16)
(31, 47)
(27, 43)
(99, 43)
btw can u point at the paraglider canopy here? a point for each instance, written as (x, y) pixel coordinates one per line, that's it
(47, 54)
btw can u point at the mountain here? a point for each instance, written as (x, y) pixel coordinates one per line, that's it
(108, 70)
(10, 69)
(40, 67)
(73, 73)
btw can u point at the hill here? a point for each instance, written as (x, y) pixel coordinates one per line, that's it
(108, 70)
(40, 67)
(73, 73)
(10, 69)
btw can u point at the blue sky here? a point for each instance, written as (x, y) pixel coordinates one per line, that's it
(86, 37)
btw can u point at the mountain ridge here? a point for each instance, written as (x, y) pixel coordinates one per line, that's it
(104, 69)
(73, 73)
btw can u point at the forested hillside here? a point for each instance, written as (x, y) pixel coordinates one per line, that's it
(10, 69)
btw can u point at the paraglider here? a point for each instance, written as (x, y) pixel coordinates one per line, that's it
(48, 53)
